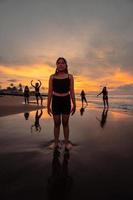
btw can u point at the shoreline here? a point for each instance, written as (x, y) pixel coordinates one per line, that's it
(118, 110)
(100, 158)
(10, 105)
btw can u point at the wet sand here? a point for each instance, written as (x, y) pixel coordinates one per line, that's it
(99, 165)
(15, 104)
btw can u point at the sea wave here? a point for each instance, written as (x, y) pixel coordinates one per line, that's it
(122, 102)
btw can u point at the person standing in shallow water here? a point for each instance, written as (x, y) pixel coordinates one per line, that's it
(105, 96)
(26, 94)
(60, 94)
(37, 91)
(83, 97)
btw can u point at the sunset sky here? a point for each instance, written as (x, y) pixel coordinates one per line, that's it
(95, 37)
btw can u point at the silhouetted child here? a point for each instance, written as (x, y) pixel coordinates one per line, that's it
(26, 94)
(105, 96)
(83, 97)
(37, 124)
(37, 91)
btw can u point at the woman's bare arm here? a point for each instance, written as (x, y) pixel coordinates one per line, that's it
(99, 93)
(40, 83)
(72, 94)
(50, 93)
(32, 84)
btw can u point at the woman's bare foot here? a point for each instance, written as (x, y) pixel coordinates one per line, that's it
(68, 146)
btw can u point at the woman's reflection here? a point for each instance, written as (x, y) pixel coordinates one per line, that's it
(26, 115)
(36, 124)
(59, 184)
(103, 117)
(82, 110)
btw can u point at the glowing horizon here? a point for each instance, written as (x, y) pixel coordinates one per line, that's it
(24, 74)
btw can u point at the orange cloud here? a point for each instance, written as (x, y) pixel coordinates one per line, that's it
(32, 71)
(123, 77)
(26, 73)
(82, 82)
(42, 71)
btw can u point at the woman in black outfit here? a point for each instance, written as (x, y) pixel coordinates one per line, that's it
(83, 97)
(105, 96)
(60, 94)
(26, 94)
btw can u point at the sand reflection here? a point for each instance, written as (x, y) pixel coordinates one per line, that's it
(59, 183)
(103, 117)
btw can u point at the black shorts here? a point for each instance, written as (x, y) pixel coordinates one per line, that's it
(37, 94)
(105, 98)
(61, 105)
(26, 95)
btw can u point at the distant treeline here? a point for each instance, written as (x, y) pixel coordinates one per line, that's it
(32, 93)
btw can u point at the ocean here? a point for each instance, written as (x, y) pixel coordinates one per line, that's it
(121, 102)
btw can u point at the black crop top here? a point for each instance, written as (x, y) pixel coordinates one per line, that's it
(105, 93)
(61, 85)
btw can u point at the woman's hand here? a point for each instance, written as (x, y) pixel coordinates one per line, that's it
(49, 111)
(73, 109)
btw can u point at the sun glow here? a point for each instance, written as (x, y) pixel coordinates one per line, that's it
(25, 74)
(28, 71)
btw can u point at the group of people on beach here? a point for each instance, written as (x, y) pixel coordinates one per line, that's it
(105, 97)
(61, 99)
(37, 92)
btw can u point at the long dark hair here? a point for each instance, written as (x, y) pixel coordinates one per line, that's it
(105, 89)
(66, 70)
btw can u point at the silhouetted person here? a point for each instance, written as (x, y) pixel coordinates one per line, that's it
(37, 124)
(105, 96)
(26, 115)
(37, 91)
(59, 184)
(103, 118)
(83, 97)
(26, 94)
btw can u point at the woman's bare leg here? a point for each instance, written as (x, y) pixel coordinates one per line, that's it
(37, 100)
(41, 99)
(107, 102)
(104, 103)
(65, 123)
(25, 100)
(57, 123)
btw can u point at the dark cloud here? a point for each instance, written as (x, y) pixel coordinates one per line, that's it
(127, 87)
(116, 52)
(27, 60)
(13, 80)
(2, 1)
(89, 26)
(101, 57)
(2, 60)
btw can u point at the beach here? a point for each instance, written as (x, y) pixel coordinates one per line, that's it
(99, 165)
(15, 104)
